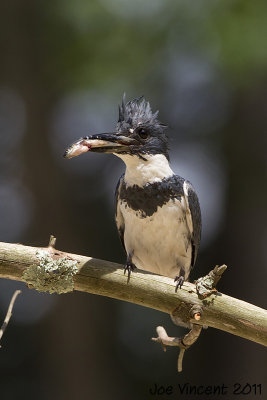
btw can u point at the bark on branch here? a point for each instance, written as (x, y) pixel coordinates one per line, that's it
(107, 279)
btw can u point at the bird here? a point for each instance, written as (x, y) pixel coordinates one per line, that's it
(157, 212)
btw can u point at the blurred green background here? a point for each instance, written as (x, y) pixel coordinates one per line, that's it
(64, 67)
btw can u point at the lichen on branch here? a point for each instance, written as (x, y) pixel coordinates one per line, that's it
(51, 275)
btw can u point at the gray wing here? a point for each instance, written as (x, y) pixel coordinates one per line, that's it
(118, 215)
(193, 218)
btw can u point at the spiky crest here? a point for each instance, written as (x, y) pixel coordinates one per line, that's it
(136, 112)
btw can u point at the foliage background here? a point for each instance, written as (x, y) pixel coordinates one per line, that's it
(64, 67)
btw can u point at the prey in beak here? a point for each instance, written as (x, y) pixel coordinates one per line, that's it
(101, 143)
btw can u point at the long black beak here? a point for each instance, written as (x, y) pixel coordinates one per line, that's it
(100, 143)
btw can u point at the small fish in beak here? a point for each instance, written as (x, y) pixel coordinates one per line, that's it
(102, 143)
(84, 145)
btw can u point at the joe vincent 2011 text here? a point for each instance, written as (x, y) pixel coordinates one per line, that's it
(198, 390)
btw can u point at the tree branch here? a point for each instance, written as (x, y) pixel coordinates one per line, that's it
(107, 279)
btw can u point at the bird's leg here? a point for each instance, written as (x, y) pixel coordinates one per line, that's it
(129, 266)
(179, 279)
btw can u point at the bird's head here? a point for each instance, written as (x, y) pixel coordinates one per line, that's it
(138, 133)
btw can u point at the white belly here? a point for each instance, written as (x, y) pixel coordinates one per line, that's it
(159, 243)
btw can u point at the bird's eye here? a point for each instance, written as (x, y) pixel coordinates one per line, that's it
(143, 133)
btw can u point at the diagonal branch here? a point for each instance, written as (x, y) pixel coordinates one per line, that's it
(107, 279)
(9, 313)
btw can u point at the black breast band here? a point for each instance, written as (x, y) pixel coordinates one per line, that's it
(148, 198)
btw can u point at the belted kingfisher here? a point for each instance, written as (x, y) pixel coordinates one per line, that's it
(157, 212)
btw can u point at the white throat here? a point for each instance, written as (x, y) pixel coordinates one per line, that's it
(139, 172)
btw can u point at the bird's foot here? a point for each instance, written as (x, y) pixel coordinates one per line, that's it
(180, 281)
(129, 267)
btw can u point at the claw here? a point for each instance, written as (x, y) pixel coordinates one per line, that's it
(180, 281)
(129, 267)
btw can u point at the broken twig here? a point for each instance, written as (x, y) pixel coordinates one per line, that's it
(206, 285)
